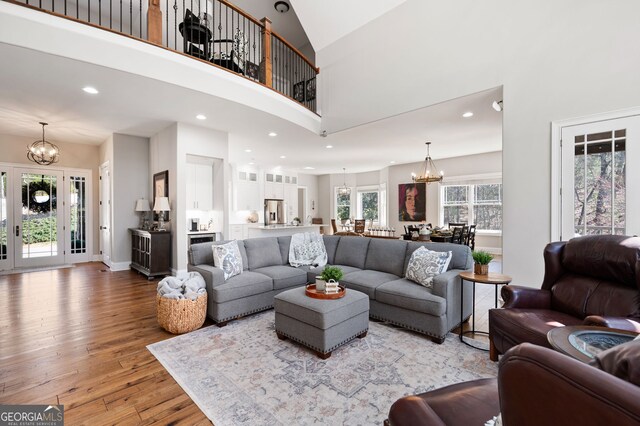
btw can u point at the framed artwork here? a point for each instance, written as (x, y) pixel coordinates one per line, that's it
(412, 202)
(160, 189)
(310, 92)
(298, 91)
(253, 70)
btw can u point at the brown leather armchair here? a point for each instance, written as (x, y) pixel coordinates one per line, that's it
(591, 280)
(536, 386)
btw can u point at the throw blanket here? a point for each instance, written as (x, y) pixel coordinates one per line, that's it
(191, 287)
(307, 249)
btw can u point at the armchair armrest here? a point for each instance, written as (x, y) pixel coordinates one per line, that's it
(621, 323)
(445, 283)
(525, 297)
(571, 392)
(413, 410)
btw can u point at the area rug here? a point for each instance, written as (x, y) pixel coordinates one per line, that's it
(242, 374)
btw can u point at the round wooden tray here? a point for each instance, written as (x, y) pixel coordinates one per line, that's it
(311, 291)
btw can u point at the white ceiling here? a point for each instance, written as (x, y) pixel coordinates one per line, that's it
(41, 87)
(327, 21)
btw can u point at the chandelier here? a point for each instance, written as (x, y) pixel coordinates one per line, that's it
(344, 189)
(429, 172)
(43, 152)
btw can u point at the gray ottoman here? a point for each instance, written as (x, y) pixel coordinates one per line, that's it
(322, 325)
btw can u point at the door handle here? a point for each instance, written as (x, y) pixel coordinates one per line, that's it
(17, 230)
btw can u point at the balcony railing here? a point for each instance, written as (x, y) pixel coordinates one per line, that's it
(209, 30)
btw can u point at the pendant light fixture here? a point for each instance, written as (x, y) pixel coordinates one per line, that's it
(43, 152)
(344, 189)
(429, 173)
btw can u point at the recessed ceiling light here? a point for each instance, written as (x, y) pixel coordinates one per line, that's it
(329, 146)
(247, 150)
(283, 156)
(392, 162)
(91, 90)
(309, 168)
(467, 114)
(252, 163)
(272, 134)
(201, 117)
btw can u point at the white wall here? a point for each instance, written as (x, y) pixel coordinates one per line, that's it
(555, 60)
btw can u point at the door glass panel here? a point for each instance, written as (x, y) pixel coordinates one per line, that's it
(39, 215)
(3, 216)
(77, 211)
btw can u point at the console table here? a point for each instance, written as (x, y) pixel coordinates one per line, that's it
(151, 252)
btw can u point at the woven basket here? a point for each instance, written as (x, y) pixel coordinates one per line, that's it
(181, 316)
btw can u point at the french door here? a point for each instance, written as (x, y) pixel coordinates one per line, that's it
(601, 178)
(6, 253)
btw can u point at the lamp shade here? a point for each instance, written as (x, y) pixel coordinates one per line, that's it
(142, 205)
(161, 204)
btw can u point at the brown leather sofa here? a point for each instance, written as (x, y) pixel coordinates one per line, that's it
(536, 386)
(591, 280)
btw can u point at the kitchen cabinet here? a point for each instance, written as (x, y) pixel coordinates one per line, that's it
(274, 186)
(247, 192)
(238, 232)
(199, 186)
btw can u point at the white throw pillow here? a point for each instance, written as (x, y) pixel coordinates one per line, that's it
(227, 257)
(425, 264)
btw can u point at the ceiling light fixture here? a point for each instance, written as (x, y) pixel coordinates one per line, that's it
(497, 105)
(329, 146)
(273, 134)
(309, 168)
(344, 189)
(467, 114)
(247, 150)
(392, 162)
(429, 167)
(91, 90)
(201, 117)
(281, 6)
(283, 156)
(43, 152)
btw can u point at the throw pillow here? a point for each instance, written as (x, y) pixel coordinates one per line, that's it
(425, 264)
(227, 257)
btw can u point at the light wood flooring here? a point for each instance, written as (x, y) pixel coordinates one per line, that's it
(77, 336)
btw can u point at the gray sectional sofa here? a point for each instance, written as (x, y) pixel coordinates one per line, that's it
(372, 266)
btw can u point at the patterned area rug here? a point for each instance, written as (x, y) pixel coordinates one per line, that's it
(243, 375)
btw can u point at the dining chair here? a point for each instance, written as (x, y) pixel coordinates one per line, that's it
(457, 236)
(333, 226)
(359, 225)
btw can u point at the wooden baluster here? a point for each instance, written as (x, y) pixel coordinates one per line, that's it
(266, 65)
(154, 22)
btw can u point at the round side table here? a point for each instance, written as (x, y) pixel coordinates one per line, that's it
(490, 278)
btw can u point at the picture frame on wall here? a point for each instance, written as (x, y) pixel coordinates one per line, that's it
(160, 189)
(412, 202)
(310, 90)
(298, 91)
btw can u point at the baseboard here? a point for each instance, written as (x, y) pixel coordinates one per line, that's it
(492, 250)
(97, 258)
(120, 266)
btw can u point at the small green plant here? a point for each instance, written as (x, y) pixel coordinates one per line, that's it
(332, 273)
(482, 257)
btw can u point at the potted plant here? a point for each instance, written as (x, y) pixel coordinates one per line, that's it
(329, 273)
(481, 261)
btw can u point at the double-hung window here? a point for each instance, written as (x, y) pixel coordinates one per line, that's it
(343, 206)
(368, 206)
(477, 203)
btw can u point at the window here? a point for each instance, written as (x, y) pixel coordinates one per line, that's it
(477, 203)
(369, 206)
(343, 206)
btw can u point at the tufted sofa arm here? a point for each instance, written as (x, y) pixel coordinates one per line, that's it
(622, 323)
(525, 297)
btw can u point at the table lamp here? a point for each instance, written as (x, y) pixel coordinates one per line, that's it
(161, 205)
(143, 207)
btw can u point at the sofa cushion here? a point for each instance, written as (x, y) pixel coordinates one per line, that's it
(330, 244)
(313, 273)
(367, 281)
(386, 256)
(263, 252)
(352, 251)
(284, 243)
(244, 285)
(202, 253)
(227, 257)
(284, 276)
(409, 295)
(425, 264)
(460, 254)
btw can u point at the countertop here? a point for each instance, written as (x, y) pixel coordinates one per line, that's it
(285, 226)
(201, 232)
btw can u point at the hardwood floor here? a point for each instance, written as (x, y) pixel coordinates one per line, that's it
(78, 336)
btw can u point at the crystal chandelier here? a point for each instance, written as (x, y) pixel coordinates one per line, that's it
(43, 152)
(429, 172)
(344, 189)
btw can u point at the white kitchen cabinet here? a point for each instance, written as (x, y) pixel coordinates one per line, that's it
(274, 190)
(199, 187)
(248, 196)
(238, 232)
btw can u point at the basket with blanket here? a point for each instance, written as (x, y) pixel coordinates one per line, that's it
(182, 303)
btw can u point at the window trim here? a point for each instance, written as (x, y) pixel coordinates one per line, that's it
(471, 180)
(363, 189)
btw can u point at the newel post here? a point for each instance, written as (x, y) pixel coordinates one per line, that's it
(266, 65)
(154, 22)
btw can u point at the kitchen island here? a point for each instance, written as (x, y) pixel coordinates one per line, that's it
(281, 230)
